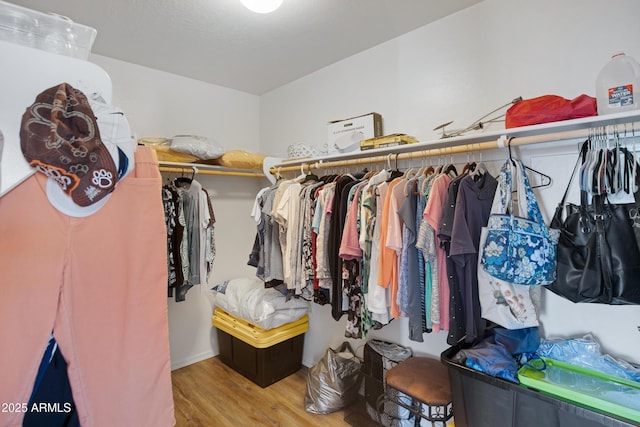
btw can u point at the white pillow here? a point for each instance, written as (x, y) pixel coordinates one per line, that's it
(199, 146)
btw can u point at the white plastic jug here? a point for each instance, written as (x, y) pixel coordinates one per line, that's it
(618, 85)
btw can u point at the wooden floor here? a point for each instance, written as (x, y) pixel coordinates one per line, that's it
(210, 394)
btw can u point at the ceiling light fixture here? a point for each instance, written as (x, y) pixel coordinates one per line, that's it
(261, 6)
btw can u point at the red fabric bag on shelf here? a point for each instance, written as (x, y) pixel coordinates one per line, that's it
(549, 108)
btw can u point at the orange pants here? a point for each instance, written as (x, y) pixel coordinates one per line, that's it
(99, 283)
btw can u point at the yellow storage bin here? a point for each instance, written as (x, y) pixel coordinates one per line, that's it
(254, 335)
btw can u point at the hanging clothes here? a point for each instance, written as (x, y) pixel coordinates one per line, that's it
(390, 260)
(171, 203)
(336, 227)
(394, 249)
(445, 230)
(426, 243)
(387, 262)
(432, 213)
(409, 266)
(351, 255)
(190, 222)
(473, 206)
(268, 253)
(376, 297)
(423, 269)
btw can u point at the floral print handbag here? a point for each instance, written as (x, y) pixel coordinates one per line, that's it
(504, 303)
(520, 250)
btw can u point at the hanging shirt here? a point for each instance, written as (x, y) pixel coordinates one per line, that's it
(445, 230)
(190, 199)
(351, 254)
(432, 214)
(287, 211)
(377, 295)
(388, 257)
(421, 203)
(367, 223)
(410, 293)
(473, 206)
(210, 240)
(349, 246)
(323, 273)
(279, 209)
(394, 243)
(171, 203)
(273, 274)
(308, 244)
(426, 243)
(334, 238)
(205, 236)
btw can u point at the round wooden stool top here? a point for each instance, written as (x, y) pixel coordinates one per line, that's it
(423, 378)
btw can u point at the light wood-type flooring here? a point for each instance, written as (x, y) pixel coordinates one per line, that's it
(210, 394)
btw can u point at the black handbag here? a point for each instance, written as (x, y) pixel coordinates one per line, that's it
(598, 255)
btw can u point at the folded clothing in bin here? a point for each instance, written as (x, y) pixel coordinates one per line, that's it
(262, 355)
(247, 298)
(597, 390)
(480, 399)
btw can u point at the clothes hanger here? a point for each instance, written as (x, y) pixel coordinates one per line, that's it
(185, 180)
(544, 178)
(410, 173)
(614, 164)
(451, 168)
(582, 179)
(395, 173)
(470, 165)
(479, 169)
(310, 176)
(593, 172)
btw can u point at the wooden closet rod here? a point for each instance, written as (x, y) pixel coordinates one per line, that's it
(199, 171)
(501, 142)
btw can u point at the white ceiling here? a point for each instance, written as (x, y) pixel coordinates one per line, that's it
(221, 42)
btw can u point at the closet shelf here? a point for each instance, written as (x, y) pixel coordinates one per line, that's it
(203, 169)
(547, 132)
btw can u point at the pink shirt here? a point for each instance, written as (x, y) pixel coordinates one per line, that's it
(432, 214)
(349, 245)
(392, 245)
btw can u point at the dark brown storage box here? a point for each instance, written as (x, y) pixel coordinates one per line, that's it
(263, 366)
(275, 353)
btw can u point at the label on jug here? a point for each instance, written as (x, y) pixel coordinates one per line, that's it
(621, 96)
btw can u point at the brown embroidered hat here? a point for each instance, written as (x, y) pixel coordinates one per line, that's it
(59, 136)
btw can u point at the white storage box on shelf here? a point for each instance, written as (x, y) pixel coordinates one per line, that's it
(345, 135)
(49, 32)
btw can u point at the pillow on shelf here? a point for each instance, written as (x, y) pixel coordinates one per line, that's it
(162, 147)
(239, 159)
(199, 146)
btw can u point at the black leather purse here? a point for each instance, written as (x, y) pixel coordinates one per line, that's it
(598, 255)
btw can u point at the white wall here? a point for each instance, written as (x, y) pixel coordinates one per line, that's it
(460, 68)
(160, 104)
(457, 69)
